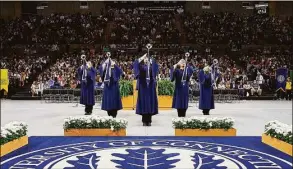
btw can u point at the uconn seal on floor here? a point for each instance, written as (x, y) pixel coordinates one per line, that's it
(148, 154)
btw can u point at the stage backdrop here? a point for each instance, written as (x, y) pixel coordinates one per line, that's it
(4, 79)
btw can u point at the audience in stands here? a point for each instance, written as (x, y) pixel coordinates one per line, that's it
(131, 28)
(255, 88)
(235, 30)
(141, 26)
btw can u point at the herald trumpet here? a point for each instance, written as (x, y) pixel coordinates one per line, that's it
(215, 62)
(108, 54)
(214, 69)
(149, 46)
(83, 57)
(108, 67)
(184, 76)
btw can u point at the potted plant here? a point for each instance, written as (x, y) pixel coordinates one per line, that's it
(13, 137)
(126, 92)
(204, 126)
(165, 94)
(279, 136)
(94, 126)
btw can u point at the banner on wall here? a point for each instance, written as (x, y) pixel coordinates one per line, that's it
(281, 76)
(4, 79)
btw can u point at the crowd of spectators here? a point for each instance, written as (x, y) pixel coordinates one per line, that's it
(251, 71)
(22, 67)
(54, 29)
(253, 76)
(71, 29)
(19, 30)
(135, 25)
(235, 30)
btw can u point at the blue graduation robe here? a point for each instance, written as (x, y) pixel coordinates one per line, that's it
(111, 94)
(206, 100)
(147, 100)
(181, 93)
(87, 91)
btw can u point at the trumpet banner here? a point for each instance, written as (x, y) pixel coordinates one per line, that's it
(4, 79)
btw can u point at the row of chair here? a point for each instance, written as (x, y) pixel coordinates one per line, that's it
(66, 95)
(73, 95)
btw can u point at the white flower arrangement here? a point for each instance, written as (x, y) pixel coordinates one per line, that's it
(95, 122)
(12, 131)
(280, 131)
(203, 123)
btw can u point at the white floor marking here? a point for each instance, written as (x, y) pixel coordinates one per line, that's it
(145, 159)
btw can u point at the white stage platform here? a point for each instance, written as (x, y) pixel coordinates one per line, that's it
(46, 119)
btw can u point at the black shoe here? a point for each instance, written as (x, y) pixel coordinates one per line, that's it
(148, 124)
(144, 124)
(88, 113)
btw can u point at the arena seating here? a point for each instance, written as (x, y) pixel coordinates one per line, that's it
(243, 49)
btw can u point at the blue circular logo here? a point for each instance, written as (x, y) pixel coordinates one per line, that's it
(146, 154)
(281, 78)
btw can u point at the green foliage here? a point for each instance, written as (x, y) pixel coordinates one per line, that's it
(11, 134)
(95, 122)
(286, 138)
(204, 125)
(280, 131)
(126, 88)
(165, 87)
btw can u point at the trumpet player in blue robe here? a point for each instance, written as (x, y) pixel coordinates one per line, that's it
(87, 77)
(181, 74)
(145, 71)
(111, 73)
(207, 80)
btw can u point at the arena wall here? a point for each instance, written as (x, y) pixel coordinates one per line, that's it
(71, 7)
(196, 6)
(284, 8)
(10, 9)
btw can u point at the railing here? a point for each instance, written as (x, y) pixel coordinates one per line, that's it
(67, 95)
(220, 96)
(73, 96)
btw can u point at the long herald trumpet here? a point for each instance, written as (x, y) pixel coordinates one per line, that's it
(149, 46)
(184, 75)
(83, 58)
(84, 67)
(214, 68)
(108, 54)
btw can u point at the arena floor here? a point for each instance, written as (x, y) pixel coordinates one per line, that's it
(46, 119)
